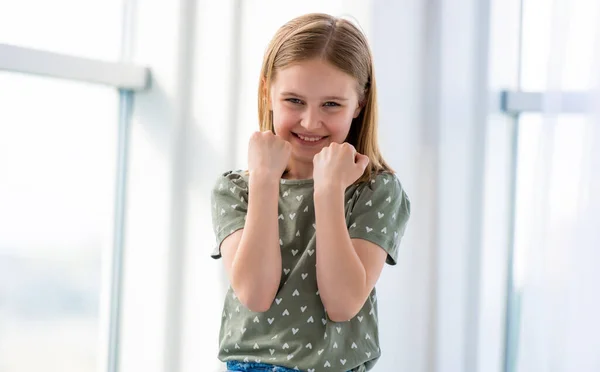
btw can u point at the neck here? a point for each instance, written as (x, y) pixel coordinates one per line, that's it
(299, 170)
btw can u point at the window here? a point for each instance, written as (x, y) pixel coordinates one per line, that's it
(552, 190)
(58, 146)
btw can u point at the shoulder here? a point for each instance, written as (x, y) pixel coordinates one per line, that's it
(236, 177)
(382, 182)
(231, 184)
(385, 188)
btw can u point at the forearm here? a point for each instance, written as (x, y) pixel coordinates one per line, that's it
(256, 268)
(341, 276)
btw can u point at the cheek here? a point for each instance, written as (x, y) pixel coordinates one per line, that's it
(339, 125)
(284, 119)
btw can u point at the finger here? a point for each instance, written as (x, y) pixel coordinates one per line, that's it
(362, 161)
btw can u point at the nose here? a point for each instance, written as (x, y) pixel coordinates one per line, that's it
(311, 119)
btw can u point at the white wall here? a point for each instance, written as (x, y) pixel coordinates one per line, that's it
(405, 291)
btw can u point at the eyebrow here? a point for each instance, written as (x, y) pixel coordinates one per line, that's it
(333, 98)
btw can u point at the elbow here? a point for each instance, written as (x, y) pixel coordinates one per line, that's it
(255, 294)
(341, 315)
(254, 299)
(256, 304)
(343, 311)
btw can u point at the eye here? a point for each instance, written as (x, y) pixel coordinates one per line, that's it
(294, 101)
(331, 104)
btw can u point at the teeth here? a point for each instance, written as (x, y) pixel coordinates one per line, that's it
(309, 139)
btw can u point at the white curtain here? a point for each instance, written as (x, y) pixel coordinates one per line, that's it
(557, 240)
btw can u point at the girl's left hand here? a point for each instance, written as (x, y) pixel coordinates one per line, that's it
(338, 165)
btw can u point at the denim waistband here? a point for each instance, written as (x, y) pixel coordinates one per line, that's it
(256, 367)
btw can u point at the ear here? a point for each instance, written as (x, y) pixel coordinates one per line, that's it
(358, 109)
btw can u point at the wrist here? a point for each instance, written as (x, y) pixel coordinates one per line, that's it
(263, 177)
(329, 189)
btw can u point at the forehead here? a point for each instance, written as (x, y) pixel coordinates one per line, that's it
(314, 78)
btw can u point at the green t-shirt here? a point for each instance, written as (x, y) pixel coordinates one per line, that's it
(296, 331)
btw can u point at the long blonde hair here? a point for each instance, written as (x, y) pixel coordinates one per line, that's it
(343, 45)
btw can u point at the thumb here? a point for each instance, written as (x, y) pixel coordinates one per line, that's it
(362, 161)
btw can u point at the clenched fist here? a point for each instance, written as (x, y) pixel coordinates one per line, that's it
(338, 165)
(268, 154)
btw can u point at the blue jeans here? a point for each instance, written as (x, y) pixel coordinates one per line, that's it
(256, 367)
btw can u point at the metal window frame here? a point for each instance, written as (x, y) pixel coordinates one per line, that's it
(518, 102)
(120, 75)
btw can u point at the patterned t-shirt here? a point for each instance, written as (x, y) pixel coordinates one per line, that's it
(296, 331)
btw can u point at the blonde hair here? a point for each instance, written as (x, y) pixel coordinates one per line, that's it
(343, 45)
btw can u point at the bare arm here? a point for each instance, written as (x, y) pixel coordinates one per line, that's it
(347, 269)
(252, 256)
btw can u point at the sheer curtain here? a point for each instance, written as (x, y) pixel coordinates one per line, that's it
(556, 265)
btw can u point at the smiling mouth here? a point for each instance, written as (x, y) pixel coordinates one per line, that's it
(309, 138)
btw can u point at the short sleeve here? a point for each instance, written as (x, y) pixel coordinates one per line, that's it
(229, 201)
(380, 214)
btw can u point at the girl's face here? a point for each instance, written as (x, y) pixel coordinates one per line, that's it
(313, 105)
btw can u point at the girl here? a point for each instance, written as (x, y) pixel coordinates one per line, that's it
(306, 230)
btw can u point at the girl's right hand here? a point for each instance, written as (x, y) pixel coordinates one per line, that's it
(268, 154)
